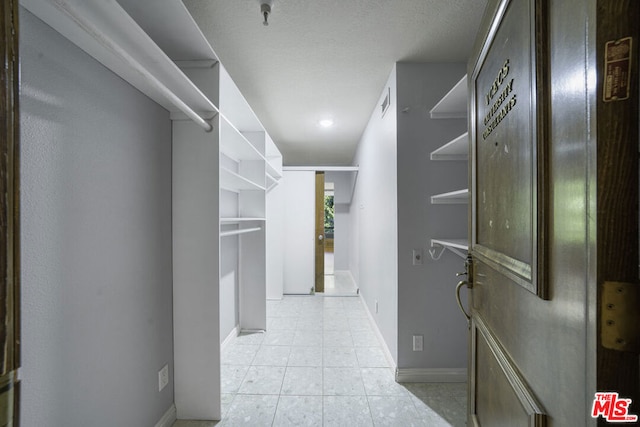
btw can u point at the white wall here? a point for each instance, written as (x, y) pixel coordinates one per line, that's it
(426, 292)
(299, 231)
(391, 214)
(229, 280)
(374, 219)
(275, 241)
(196, 272)
(96, 241)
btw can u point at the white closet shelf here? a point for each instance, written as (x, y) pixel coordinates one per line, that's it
(105, 31)
(457, 149)
(172, 27)
(454, 245)
(457, 246)
(454, 197)
(272, 172)
(234, 144)
(231, 181)
(239, 220)
(454, 104)
(235, 107)
(270, 186)
(239, 231)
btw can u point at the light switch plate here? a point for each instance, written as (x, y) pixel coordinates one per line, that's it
(418, 342)
(418, 256)
(163, 377)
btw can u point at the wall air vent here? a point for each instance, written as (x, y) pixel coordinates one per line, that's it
(386, 102)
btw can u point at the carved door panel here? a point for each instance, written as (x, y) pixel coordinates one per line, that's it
(538, 225)
(508, 209)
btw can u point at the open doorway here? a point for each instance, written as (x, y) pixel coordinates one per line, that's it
(329, 229)
(304, 233)
(337, 199)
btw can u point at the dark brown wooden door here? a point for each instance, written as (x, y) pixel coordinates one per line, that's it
(554, 213)
(319, 236)
(9, 217)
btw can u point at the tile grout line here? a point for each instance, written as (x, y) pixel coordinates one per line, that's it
(336, 309)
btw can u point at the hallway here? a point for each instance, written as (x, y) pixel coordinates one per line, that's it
(320, 363)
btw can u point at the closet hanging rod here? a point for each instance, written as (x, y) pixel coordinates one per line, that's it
(103, 39)
(240, 231)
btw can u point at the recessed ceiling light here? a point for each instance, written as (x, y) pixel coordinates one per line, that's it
(326, 123)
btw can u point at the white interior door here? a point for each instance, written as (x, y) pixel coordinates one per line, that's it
(299, 231)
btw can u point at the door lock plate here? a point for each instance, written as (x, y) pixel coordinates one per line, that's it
(620, 320)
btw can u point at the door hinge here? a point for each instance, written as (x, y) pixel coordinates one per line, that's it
(620, 319)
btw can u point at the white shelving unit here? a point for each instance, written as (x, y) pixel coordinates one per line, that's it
(223, 161)
(240, 220)
(452, 105)
(239, 231)
(244, 174)
(235, 145)
(452, 198)
(232, 181)
(449, 105)
(457, 246)
(457, 149)
(105, 31)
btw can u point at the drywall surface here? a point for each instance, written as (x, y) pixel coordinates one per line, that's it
(96, 241)
(275, 241)
(196, 271)
(229, 285)
(374, 218)
(229, 278)
(426, 298)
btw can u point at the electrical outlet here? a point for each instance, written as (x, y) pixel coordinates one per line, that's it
(418, 341)
(163, 377)
(417, 257)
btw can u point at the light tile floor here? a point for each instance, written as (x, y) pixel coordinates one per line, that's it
(339, 283)
(320, 364)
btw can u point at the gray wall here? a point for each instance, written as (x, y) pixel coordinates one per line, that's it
(96, 244)
(373, 255)
(229, 286)
(391, 214)
(426, 292)
(229, 280)
(275, 241)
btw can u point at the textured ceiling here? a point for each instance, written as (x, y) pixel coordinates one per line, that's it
(329, 58)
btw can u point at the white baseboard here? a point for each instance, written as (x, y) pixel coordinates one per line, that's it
(168, 418)
(229, 339)
(383, 343)
(416, 375)
(431, 375)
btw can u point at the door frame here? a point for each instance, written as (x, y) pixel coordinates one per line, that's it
(10, 216)
(319, 233)
(617, 201)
